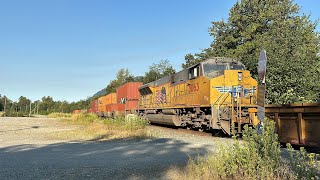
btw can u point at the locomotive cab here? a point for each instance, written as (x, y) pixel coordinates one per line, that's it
(232, 95)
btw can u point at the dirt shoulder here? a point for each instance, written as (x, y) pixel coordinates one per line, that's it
(28, 150)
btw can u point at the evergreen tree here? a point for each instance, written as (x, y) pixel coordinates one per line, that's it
(289, 38)
(123, 76)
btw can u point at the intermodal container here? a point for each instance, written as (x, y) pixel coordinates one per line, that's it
(111, 98)
(94, 106)
(128, 91)
(102, 104)
(108, 107)
(120, 107)
(115, 107)
(77, 111)
(132, 105)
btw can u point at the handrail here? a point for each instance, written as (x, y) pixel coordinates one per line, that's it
(218, 99)
(224, 100)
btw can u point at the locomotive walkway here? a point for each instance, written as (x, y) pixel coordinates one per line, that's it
(29, 151)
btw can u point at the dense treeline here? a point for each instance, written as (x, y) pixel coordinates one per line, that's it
(45, 106)
(288, 36)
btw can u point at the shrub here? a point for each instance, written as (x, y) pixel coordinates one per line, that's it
(304, 165)
(95, 128)
(59, 115)
(84, 118)
(257, 156)
(133, 122)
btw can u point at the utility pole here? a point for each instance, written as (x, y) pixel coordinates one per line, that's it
(37, 107)
(5, 104)
(30, 109)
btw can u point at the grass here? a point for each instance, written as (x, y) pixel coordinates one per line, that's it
(256, 157)
(97, 129)
(1, 113)
(60, 115)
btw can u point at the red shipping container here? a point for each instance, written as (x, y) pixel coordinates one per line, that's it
(77, 111)
(94, 106)
(108, 107)
(115, 107)
(132, 105)
(128, 106)
(120, 107)
(128, 91)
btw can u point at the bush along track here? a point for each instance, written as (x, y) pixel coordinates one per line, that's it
(255, 157)
(97, 129)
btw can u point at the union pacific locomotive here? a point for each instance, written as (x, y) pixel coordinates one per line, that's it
(216, 94)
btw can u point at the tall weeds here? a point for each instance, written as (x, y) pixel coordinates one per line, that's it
(59, 115)
(95, 128)
(257, 156)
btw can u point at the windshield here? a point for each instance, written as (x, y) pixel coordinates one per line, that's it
(213, 70)
(236, 67)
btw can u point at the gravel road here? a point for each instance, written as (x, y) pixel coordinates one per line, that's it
(29, 151)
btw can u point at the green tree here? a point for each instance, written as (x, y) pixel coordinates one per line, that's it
(139, 78)
(190, 60)
(24, 104)
(289, 38)
(47, 104)
(1, 103)
(158, 70)
(123, 76)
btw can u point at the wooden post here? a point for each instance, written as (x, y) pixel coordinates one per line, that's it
(5, 104)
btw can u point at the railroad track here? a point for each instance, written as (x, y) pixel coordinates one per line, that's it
(297, 124)
(183, 130)
(209, 134)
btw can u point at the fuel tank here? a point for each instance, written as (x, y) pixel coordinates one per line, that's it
(164, 119)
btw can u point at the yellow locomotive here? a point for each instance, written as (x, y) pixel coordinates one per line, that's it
(215, 94)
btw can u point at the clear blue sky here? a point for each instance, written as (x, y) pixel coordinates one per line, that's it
(70, 49)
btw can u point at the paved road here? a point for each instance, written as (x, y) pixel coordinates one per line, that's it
(27, 151)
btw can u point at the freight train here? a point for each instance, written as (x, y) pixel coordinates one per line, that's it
(216, 94)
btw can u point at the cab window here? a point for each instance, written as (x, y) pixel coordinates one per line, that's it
(194, 72)
(212, 70)
(236, 67)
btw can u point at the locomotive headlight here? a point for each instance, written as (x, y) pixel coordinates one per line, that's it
(240, 76)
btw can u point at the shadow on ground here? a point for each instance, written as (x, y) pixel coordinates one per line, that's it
(21, 129)
(125, 159)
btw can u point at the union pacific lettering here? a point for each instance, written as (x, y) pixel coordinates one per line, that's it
(193, 87)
